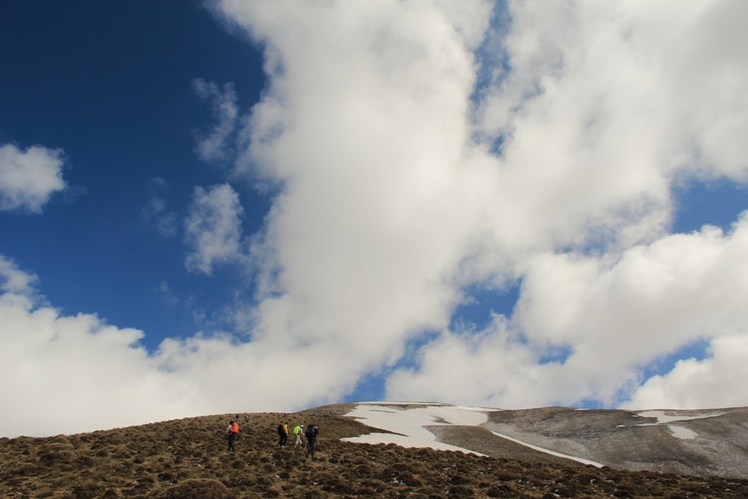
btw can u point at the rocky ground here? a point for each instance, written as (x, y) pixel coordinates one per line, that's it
(188, 459)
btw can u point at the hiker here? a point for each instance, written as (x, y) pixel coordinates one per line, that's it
(282, 434)
(298, 430)
(231, 432)
(311, 437)
(246, 418)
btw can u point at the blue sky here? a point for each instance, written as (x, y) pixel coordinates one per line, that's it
(111, 86)
(193, 192)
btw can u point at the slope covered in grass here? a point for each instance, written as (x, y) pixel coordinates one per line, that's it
(188, 458)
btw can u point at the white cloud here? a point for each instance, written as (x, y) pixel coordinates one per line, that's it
(364, 124)
(28, 178)
(492, 367)
(388, 206)
(693, 383)
(213, 228)
(603, 320)
(15, 280)
(74, 373)
(71, 373)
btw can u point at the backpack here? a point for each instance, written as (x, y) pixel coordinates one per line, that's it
(311, 431)
(280, 430)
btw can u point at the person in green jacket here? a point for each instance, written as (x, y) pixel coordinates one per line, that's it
(298, 430)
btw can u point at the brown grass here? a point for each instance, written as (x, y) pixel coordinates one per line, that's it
(188, 459)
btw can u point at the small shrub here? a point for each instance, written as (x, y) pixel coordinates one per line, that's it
(501, 491)
(460, 491)
(87, 490)
(201, 488)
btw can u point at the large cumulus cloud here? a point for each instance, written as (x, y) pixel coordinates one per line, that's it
(405, 179)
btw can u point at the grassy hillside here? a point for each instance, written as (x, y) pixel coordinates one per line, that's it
(188, 459)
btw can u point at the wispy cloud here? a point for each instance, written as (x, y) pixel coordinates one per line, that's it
(213, 228)
(217, 146)
(156, 212)
(167, 294)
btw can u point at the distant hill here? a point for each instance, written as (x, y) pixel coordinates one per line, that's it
(697, 442)
(188, 459)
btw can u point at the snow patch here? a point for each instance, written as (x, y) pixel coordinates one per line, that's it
(406, 441)
(664, 418)
(682, 432)
(408, 420)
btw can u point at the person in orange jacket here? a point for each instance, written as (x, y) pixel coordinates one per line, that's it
(231, 432)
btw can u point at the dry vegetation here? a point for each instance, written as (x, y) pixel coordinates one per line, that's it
(188, 459)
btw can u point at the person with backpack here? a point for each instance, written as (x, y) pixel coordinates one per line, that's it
(298, 430)
(282, 434)
(311, 437)
(231, 432)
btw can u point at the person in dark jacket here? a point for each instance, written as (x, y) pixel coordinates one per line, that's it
(311, 438)
(282, 434)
